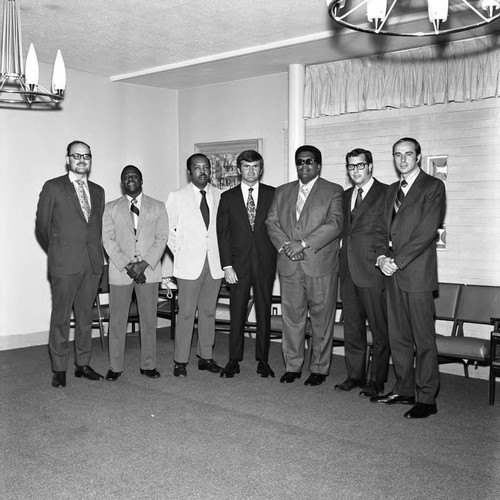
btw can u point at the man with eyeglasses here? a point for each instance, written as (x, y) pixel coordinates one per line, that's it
(68, 227)
(364, 238)
(415, 208)
(192, 239)
(305, 223)
(248, 259)
(135, 231)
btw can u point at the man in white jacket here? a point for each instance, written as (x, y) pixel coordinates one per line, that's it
(192, 239)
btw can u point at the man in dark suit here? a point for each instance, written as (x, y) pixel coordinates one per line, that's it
(68, 227)
(305, 223)
(248, 259)
(415, 208)
(364, 238)
(135, 232)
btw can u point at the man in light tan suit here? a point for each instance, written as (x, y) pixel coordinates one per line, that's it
(305, 223)
(135, 231)
(192, 238)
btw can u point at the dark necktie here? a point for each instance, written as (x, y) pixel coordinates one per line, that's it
(135, 212)
(205, 211)
(399, 196)
(359, 199)
(251, 208)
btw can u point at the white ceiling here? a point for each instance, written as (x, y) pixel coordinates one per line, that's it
(179, 44)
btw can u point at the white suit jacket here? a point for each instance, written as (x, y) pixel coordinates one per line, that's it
(188, 238)
(123, 246)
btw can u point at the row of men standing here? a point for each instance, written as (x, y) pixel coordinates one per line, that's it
(300, 224)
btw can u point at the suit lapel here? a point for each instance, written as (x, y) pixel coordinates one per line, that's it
(127, 215)
(142, 212)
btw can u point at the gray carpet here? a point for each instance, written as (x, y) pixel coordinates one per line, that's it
(204, 437)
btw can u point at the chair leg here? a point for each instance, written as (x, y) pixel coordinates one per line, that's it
(492, 386)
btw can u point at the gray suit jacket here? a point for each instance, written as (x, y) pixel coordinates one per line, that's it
(320, 223)
(123, 245)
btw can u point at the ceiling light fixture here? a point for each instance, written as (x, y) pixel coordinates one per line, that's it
(412, 18)
(20, 88)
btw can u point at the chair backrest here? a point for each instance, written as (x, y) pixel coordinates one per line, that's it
(478, 304)
(446, 300)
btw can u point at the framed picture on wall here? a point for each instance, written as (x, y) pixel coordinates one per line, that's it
(222, 156)
(437, 166)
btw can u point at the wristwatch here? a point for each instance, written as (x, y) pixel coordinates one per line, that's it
(304, 244)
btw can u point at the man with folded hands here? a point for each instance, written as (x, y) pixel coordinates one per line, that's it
(135, 231)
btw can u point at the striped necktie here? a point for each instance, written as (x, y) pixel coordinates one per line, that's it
(135, 213)
(399, 196)
(301, 199)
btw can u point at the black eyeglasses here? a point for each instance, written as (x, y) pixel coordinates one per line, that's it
(78, 156)
(359, 166)
(306, 161)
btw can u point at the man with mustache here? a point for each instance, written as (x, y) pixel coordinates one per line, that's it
(192, 239)
(135, 231)
(68, 227)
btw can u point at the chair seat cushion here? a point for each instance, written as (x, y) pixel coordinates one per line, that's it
(463, 347)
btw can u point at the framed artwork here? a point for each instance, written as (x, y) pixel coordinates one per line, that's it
(437, 166)
(222, 156)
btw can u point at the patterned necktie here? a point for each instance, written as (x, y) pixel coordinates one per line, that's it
(205, 211)
(135, 213)
(251, 208)
(84, 200)
(359, 199)
(399, 196)
(301, 199)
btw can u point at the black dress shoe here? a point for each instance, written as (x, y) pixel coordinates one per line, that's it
(208, 364)
(393, 399)
(315, 379)
(154, 373)
(59, 379)
(421, 410)
(180, 369)
(290, 377)
(348, 385)
(371, 389)
(264, 370)
(231, 369)
(88, 373)
(112, 376)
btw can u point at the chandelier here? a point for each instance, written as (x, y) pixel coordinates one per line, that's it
(413, 17)
(19, 87)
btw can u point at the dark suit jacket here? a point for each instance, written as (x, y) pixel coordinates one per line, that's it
(320, 223)
(364, 237)
(413, 232)
(236, 238)
(62, 230)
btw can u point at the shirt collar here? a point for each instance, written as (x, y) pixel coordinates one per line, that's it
(73, 177)
(365, 188)
(411, 178)
(138, 198)
(309, 185)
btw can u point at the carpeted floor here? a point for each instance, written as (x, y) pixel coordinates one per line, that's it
(204, 437)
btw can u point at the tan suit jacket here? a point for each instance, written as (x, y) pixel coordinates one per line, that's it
(188, 239)
(320, 224)
(123, 245)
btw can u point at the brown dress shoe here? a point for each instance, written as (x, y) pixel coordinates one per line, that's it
(348, 385)
(59, 379)
(88, 373)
